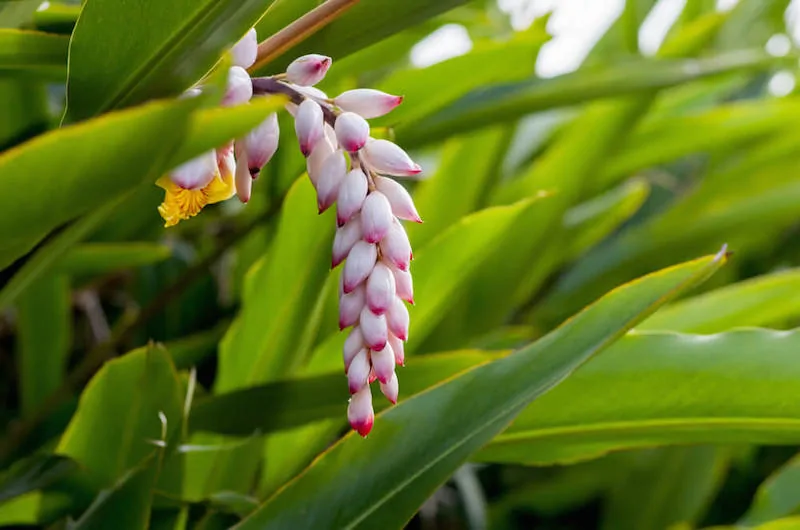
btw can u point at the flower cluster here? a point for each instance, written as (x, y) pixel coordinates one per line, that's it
(348, 168)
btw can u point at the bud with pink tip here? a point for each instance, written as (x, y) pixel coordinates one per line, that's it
(308, 70)
(321, 151)
(346, 236)
(244, 52)
(398, 348)
(367, 102)
(350, 306)
(243, 180)
(197, 172)
(374, 328)
(352, 131)
(387, 158)
(395, 247)
(261, 143)
(352, 193)
(404, 285)
(352, 345)
(391, 389)
(358, 372)
(376, 217)
(360, 413)
(308, 125)
(331, 175)
(402, 203)
(239, 89)
(359, 264)
(383, 363)
(397, 319)
(380, 292)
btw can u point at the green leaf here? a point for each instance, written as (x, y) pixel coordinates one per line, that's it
(656, 388)
(507, 102)
(763, 301)
(33, 53)
(182, 41)
(367, 22)
(101, 258)
(56, 18)
(25, 112)
(778, 496)
(15, 14)
(36, 472)
(416, 446)
(42, 357)
(73, 170)
(118, 414)
(309, 399)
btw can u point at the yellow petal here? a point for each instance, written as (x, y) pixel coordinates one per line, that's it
(180, 203)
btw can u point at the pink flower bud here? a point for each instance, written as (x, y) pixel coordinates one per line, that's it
(352, 345)
(239, 89)
(391, 389)
(380, 290)
(197, 172)
(359, 264)
(243, 180)
(330, 134)
(398, 348)
(352, 193)
(367, 102)
(244, 52)
(308, 125)
(352, 131)
(358, 371)
(404, 285)
(374, 329)
(331, 175)
(314, 162)
(402, 204)
(397, 319)
(376, 217)
(360, 413)
(350, 306)
(308, 70)
(312, 92)
(395, 247)
(261, 143)
(346, 236)
(383, 363)
(387, 158)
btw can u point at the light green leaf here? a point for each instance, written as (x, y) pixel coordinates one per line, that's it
(33, 53)
(416, 446)
(776, 497)
(16, 14)
(656, 388)
(101, 258)
(182, 41)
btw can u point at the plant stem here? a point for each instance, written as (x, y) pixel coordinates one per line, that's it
(300, 30)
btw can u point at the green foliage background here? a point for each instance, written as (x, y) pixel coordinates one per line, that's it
(190, 378)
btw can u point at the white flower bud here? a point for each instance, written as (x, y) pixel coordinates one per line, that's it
(352, 131)
(308, 125)
(376, 217)
(350, 306)
(358, 372)
(322, 150)
(395, 247)
(383, 363)
(387, 158)
(352, 345)
(404, 284)
(197, 172)
(331, 175)
(374, 329)
(367, 102)
(391, 389)
(359, 264)
(261, 143)
(239, 89)
(243, 179)
(380, 292)
(351, 196)
(311, 92)
(360, 413)
(308, 70)
(346, 236)
(244, 52)
(402, 204)
(398, 348)
(397, 319)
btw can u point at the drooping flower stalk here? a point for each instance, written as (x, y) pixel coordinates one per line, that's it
(348, 168)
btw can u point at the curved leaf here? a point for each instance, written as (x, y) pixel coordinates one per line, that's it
(33, 53)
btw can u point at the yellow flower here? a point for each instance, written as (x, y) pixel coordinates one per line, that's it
(182, 203)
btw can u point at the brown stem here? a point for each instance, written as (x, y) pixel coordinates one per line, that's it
(271, 85)
(300, 30)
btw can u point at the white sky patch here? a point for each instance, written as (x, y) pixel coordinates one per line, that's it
(451, 40)
(782, 83)
(657, 23)
(778, 45)
(726, 5)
